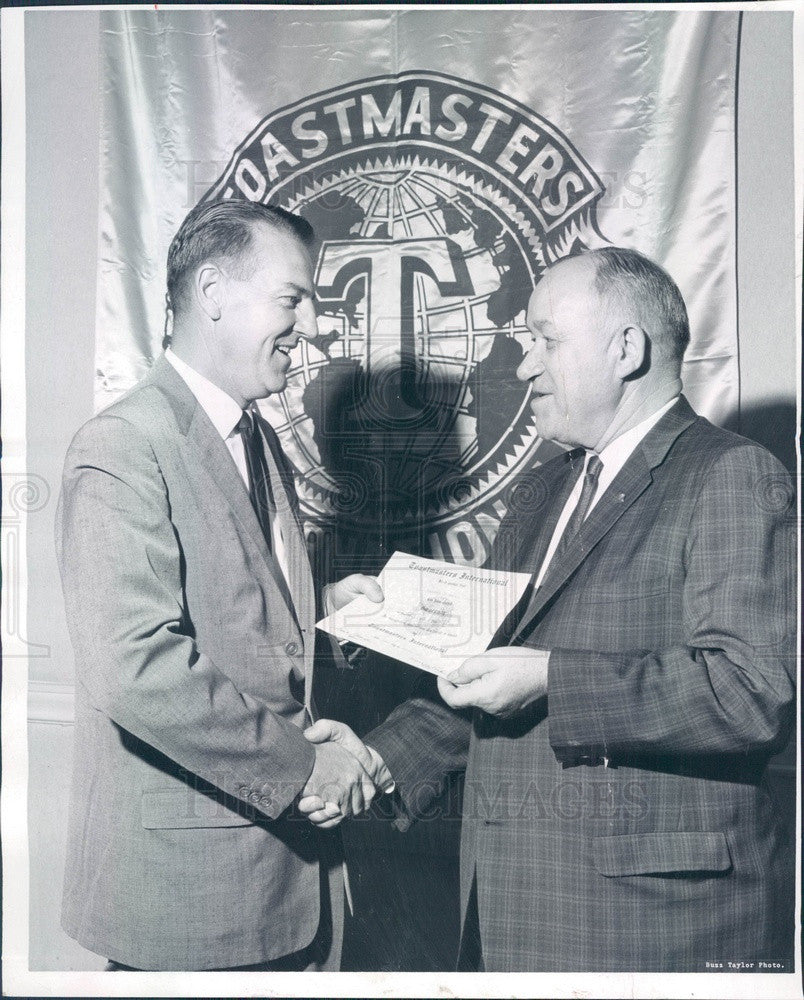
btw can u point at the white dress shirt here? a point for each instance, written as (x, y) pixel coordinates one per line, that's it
(225, 415)
(613, 456)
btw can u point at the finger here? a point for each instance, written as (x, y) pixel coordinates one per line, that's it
(331, 795)
(310, 803)
(461, 696)
(313, 804)
(470, 670)
(445, 687)
(362, 792)
(321, 731)
(327, 810)
(367, 793)
(368, 586)
(318, 817)
(323, 821)
(356, 802)
(342, 794)
(449, 692)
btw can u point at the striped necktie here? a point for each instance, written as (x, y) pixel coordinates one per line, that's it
(590, 480)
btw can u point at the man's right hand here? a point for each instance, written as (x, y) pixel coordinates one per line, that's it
(327, 732)
(338, 786)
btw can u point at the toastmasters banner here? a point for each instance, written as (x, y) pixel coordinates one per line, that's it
(445, 159)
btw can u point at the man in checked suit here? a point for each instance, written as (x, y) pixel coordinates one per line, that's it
(191, 610)
(617, 814)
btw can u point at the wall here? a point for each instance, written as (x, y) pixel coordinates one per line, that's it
(62, 101)
(766, 234)
(62, 176)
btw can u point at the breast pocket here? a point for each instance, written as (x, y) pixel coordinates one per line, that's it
(625, 590)
(680, 854)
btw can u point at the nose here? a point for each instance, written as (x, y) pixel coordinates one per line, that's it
(306, 324)
(531, 365)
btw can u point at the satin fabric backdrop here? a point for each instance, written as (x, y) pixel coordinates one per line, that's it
(469, 130)
(444, 158)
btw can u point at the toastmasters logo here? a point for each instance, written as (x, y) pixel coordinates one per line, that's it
(437, 204)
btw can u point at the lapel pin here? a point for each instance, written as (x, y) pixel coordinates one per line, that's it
(621, 498)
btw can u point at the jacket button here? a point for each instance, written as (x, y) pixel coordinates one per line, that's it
(291, 648)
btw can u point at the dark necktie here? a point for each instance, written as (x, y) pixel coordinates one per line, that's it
(590, 478)
(259, 478)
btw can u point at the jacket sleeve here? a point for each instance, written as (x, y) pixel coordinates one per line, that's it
(121, 565)
(424, 743)
(730, 687)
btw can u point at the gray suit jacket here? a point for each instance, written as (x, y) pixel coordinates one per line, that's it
(193, 666)
(671, 621)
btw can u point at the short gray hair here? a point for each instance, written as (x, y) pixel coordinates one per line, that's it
(647, 288)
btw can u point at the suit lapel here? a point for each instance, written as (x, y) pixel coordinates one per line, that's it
(216, 459)
(570, 475)
(299, 572)
(630, 483)
(300, 577)
(522, 544)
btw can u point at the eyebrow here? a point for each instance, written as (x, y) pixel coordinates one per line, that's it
(291, 286)
(300, 290)
(542, 325)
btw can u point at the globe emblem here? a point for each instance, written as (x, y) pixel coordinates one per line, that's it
(406, 411)
(434, 219)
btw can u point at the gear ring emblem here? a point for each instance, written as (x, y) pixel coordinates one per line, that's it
(437, 204)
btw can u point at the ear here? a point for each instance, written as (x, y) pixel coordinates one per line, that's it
(633, 351)
(209, 290)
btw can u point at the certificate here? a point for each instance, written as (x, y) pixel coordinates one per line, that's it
(435, 614)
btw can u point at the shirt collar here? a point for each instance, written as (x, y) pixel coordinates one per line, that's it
(617, 452)
(218, 405)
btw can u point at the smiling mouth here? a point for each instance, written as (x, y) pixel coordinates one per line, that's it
(285, 348)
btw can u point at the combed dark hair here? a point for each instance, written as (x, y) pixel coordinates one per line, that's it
(648, 289)
(223, 231)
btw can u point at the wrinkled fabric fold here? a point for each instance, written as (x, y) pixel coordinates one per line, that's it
(647, 98)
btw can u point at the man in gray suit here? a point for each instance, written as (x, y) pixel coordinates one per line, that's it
(191, 609)
(617, 812)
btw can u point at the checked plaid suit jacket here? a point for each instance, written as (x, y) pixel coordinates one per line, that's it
(625, 823)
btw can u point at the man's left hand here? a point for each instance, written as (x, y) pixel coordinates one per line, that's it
(338, 595)
(502, 682)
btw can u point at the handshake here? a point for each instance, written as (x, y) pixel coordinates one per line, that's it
(346, 773)
(345, 777)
